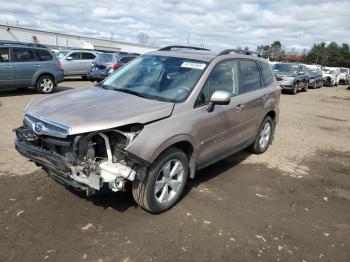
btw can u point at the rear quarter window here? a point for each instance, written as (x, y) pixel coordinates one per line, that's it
(266, 73)
(4, 55)
(44, 55)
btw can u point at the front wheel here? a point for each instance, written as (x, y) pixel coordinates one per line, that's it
(295, 88)
(264, 137)
(164, 182)
(45, 85)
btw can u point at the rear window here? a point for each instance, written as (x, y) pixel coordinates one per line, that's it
(44, 55)
(23, 55)
(4, 55)
(105, 58)
(266, 73)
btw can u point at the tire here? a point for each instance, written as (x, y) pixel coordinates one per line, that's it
(258, 147)
(306, 87)
(85, 78)
(156, 200)
(45, 84)
(295, 88)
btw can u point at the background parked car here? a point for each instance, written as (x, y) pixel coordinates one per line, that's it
(76, 62)
(329, 77)
(344, 75)
(315, 78)
(25, 65)
(292, 77)
(107, 63)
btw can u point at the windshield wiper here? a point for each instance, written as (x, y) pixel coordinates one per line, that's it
(124, 90)
(101, 85)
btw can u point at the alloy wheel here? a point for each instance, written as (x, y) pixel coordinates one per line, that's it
(169, 180)
(265, 136)
(46, 85)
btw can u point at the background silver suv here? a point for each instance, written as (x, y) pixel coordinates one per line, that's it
(25, 65)
(154, 122)
(76, 62)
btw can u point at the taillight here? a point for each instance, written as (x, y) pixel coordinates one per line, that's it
(58, 64)
(115, 66)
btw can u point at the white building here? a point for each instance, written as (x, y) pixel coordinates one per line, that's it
(60, 41)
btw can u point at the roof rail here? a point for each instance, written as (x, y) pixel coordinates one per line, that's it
(4, 42)
(239, 51)
(171, 47)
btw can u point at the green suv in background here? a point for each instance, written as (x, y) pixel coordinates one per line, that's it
(25, 65)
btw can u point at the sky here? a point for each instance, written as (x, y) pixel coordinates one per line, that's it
(214, 24)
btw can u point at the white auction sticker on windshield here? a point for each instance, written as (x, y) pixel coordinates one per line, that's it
(192, 65)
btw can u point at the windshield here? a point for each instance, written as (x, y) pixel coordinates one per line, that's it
(286, 69)
(105, 58)
(157, 77)
(61, 54)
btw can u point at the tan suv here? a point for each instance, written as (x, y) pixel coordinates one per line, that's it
(154, 123)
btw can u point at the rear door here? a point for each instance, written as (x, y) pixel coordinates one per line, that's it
(85, 63)
(251, 98)
(7, 69)
(24, 61)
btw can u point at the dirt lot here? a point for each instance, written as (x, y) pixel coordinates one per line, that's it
(290, 204)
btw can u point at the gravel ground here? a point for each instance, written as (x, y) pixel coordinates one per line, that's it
(290, 204)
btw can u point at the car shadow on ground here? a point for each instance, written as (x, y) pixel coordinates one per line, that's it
(29, 91)
(121, 201)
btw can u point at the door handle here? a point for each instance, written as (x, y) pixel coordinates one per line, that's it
(8, 66)
(240, 107)
(36, 65)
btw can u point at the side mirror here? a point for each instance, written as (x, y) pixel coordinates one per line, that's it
(69, 58)
(219, 97)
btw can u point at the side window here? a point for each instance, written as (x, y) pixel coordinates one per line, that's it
(266, 73)
(222, 77)
(4, 55)
(249, 76)
(43, 55)
(75, 56)
(126, 59)
(87, 56)
(23, 55)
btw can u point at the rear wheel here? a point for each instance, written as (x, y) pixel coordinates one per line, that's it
(45, 85)
(264, 137)
(164, 183)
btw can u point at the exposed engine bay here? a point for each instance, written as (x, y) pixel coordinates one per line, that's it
(89, 162)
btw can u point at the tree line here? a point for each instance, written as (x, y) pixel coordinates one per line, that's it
(331, 54)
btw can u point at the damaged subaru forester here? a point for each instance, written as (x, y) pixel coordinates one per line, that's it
(154, 123)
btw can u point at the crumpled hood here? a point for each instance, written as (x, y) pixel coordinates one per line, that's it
(92, 109)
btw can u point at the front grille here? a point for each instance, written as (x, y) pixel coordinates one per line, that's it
(48, 128)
